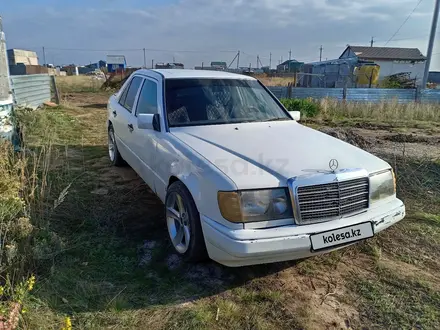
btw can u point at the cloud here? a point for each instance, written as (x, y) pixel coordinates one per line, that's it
(254, 27)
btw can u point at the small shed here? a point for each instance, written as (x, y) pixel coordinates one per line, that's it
(328, 74)
(289, 66)
(116, 62)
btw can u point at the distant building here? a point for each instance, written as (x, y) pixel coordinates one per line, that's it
(434, 77)
(100, 64)
(339, 73)
(71, 70)
(169, 66)
(87, 69)
(327, 74)
(210, 68)
(20, 56)
(116, 62)
(289, 66)
(21, 69)
(391, 60)
(219, 65)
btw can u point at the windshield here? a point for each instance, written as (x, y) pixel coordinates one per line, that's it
(192, 102)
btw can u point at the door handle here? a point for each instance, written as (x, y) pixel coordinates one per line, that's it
(130, 127)
(114, 113)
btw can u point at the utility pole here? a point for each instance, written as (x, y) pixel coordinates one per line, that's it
(372, 42)
(237, 56)
(174, 60)
(320, 53)
(258, 60)
(431, 43)
(270, 61)
(290, 55)
(152, 64)
(238, 60)
(202, 65)
(145, 60)
(44, 56)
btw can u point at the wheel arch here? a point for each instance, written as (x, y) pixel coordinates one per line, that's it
(191, 183)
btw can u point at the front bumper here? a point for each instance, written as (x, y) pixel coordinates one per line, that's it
(243, 247)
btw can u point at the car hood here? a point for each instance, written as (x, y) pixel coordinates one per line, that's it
(267, 154)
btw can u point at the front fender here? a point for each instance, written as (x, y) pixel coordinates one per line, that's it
(201, 177)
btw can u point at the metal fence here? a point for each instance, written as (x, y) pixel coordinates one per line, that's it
(380, 95)
(430, 95)
(278, 91)
(359, 94)
(31, 91)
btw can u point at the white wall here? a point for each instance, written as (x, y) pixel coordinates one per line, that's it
(392, 67)
(4, 72)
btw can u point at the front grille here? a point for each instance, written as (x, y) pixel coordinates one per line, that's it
(324, 201)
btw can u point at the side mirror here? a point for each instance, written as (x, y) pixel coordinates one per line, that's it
(148, 121)
(296, 115)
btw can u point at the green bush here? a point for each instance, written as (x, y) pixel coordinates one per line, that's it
(307, 107)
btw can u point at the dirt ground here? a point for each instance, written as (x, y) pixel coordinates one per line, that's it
(133, 279)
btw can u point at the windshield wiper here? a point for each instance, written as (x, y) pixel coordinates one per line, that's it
(276, 119)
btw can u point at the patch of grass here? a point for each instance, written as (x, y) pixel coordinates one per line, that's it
(242, 308)
(307, 107)
(276, 81)
(308, 267)
(415, 240)
(94, 264)
(382, 111)
(390, 301)
(371, 248)
(78, 84)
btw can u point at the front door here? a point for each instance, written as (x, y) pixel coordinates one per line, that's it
(144, 140)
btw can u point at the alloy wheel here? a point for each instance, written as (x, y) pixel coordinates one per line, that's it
(178, 222)
(111, 145)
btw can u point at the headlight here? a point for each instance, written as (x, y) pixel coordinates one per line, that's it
(382, 185)
(255, 205)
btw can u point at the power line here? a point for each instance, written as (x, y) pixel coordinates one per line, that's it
(404, 22)
(95, 50)
(141, 49)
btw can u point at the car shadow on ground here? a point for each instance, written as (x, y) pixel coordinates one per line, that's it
(94, 106)
(114, 248)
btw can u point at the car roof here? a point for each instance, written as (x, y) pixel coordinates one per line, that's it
(187, 73)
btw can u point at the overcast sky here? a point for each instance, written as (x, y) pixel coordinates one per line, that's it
(196, 31)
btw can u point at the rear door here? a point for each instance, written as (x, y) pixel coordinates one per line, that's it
(145, 140)
(123, 118)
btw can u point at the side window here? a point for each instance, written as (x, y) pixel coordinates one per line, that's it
(147, 103)
(129, 95)
(124, 95)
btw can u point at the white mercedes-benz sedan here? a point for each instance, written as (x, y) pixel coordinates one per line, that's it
(241, 180)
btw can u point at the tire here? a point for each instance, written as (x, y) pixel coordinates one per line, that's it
(113, 152)
(184, 224)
